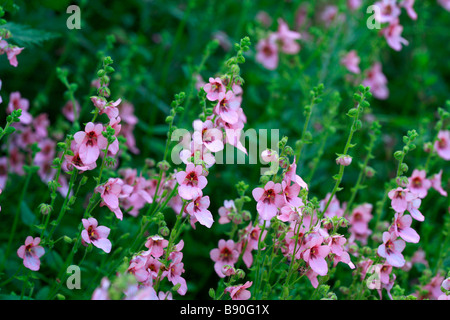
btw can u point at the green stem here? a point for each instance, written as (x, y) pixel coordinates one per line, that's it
(64, 206)
(361, 174)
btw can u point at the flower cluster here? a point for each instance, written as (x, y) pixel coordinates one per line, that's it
(159, 262)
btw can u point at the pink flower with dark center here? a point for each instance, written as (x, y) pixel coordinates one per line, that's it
(95, 234)
(90, 142)
(391, 250)
(360, 217)
(75, 160)
(388, 11)
(214, 88)
(205, 133)
(351, 61)
(191, 182)
(31, 252)
(418, 183)
(267, 52)
(198, 208)
(269, 200)
(240, 292)
(315, 254)
(393, 33)
(225, 254)
(290, 194)
(442, 144)
(401, 227)
(227, 107)
(400, 198)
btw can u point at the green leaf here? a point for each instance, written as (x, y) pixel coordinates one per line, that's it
(27, 37)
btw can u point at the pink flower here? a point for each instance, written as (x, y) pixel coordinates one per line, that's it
(227, 107)
(110, 193)
(95, 234)
(156, 245)
(391, 249)
(344, 160)
(214, 88)
(442, 144)
(418, 183)
(225, 254)
(436, 183)
(388, 11)
(198, 208)
(315, 254)
(401, 227)
(191, 182)
(206, 134)
(377, 81)
(360, 217)
(445, 4)
(17, 102)
(400, 198)
(268, 200)
(90, 142)
(392, 33)
(31, 252)
(68, 111)
(354, 4)
(287, 38)
(408, 5)
(249, 242)
(101, 293)
(269, 156)
(227, 211)
(12, 52)
(291, 175)
(413, 208)
(75, 160)
(351, 61)
(267, 52)
(312, 276)
(239, 292)
(174, 272)
(329, 14)
(290, 213)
